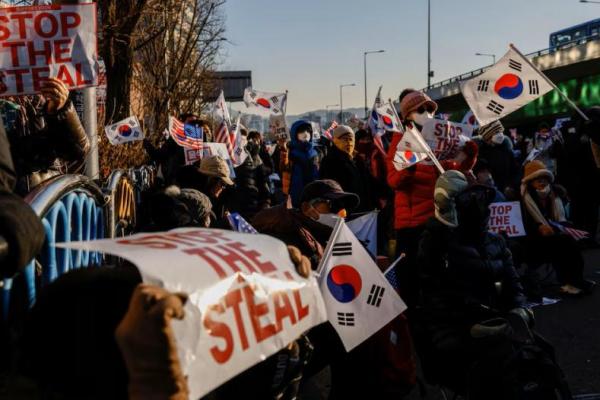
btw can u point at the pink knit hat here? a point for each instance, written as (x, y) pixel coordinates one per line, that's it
(412, 101)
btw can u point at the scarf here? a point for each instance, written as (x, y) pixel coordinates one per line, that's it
(557, 212)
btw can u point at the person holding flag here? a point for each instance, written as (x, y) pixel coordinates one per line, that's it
(413, 187)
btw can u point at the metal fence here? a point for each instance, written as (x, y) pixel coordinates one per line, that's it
(74, 208)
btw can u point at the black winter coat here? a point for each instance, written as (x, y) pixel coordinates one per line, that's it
(20, 227)
(41, 142)
(352, 175)
(501, 161)
(251, 188)
(457, 278)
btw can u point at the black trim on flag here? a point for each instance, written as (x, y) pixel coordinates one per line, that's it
(274, 100)
(252, 95)
(495, 107)
(345, 319)
(483, 85)
(375, 295)
(515, 65)
(534, 87)
(342, 249)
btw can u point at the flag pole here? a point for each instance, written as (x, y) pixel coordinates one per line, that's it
(329, 247)
(429, 152)
(564, 96)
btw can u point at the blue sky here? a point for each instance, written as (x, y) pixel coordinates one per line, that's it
(310, 47)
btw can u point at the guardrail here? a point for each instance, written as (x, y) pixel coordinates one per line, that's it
(538, 53)
(74, 208)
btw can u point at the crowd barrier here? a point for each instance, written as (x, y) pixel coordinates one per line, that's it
(75, 208)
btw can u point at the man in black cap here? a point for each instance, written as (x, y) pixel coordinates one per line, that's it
(309, 227)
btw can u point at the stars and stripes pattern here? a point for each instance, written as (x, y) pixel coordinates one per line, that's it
(223, 136)
(186, 135)
(574, 233)
(221, 113)
(239, 224)
(392, 277)
(329, 132)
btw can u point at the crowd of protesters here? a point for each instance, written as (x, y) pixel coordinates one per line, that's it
(101, 333)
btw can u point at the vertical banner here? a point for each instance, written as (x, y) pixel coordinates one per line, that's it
(41, 42)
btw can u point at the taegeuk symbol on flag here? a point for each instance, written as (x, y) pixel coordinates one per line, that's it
(358, 298)
(265, 102)
(507, 86)
(127, 130)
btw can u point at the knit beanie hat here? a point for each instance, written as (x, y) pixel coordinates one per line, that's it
(488, 131)
(412, 101)
(447, 187)
(536, 169)
(342, 130)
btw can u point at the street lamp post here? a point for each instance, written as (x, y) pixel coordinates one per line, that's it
(429, 73)
(365, 69)
(327, 110)
(487, 55)
(342, 100)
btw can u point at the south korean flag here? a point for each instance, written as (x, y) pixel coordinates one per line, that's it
(505, 87)
(359, 299)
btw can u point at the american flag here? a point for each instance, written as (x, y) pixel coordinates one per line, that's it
(239, 224)
(186, 135)
(329, 132)
(391, 275)
(224, 136)
(574, 233)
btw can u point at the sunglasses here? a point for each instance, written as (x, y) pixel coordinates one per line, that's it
(334, 207)
(429, 108)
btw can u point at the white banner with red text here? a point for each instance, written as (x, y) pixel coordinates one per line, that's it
(246, 300)
(41, 42)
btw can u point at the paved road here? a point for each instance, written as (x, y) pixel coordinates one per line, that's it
(573, 327)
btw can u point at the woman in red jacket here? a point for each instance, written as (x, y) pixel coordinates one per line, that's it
(413, 189)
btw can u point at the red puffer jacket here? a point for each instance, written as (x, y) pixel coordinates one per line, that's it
(413, 190)
(414, 186)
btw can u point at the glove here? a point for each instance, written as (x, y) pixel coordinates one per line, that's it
(147, 343)
(23, 231)
(302, 263)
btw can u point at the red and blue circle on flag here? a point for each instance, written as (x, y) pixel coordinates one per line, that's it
(509, 86)
(344, 283)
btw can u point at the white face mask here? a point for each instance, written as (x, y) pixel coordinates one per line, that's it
(304, 136)
(498, 138)
(543, 193)
(328, 219)
(422, 118)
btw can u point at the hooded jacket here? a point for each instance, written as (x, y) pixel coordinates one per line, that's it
(304, 163)
(457, 276)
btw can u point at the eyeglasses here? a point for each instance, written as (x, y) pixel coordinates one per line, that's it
(428, 107)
